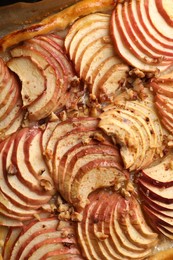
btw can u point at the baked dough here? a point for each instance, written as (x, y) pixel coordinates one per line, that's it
(57, 21)
(60, 22)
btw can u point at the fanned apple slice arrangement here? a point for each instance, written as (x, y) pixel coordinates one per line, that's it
(25, 182)
(46, 238)
(138, 35)
(89, 46)
(163, 90)
(137, 129)
(114, 228)
(86, 139)
(49, 75)
(156, 189)
(11, 114)
(78, 152)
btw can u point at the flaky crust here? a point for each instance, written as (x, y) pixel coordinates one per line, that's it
(58, 21)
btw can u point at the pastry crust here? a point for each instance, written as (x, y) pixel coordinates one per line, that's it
(58, 21)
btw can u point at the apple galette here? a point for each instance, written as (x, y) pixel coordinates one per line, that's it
(86, 134)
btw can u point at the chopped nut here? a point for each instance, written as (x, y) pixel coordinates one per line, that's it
(53, 117)
(59, 200)
(86, 140)
(12, 170)
(53, 207)
(129, 187)
(63, 115)
(61, 224)
(64, 234)
(99, 137)
(64, 215)
(47, 185)
(75, 216)
(101, 236)
(137, 72)
(63, 207)
(37, 217)
(125, 193)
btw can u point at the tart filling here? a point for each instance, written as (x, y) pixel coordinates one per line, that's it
(86, 134)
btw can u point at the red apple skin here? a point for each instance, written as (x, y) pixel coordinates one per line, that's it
(154, 182)
(163, 13)
(138, 9)
(148, 15)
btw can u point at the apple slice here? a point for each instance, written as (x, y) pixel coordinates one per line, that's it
(28, 160)
(127, 150)
(124, 219)
(85, 24)
(52, 51)
(160, 174)
(144, 30)
(161, 194)
(163, 87)
(7, 106)
(165, 232)
(97, 60)
(109, 85)
(11, 113)
(32, 88)
(90, 46)
(15, 184)
(145, 21)
(164, 101)
(122, 49)
(9, 222)
(12, 211)
(6, 90)
(85, 42)
(50, 126)
(62, 130)
(16, 124)
(102, 233)
(136, 219)
(154, 202)
(159, 19)
(14, 114)
(53, 39)
(165, 10)
(10, 239)
(84, 227)
(44, 238)
(77, 158)
(143, 251)
(58, 59)
(102, 169)
(137, 32)
(136, 127)
(12, 206)
(49, 98)
(157, 219)
(137, 49)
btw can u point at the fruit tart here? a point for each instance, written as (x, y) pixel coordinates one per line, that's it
(86, 133)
